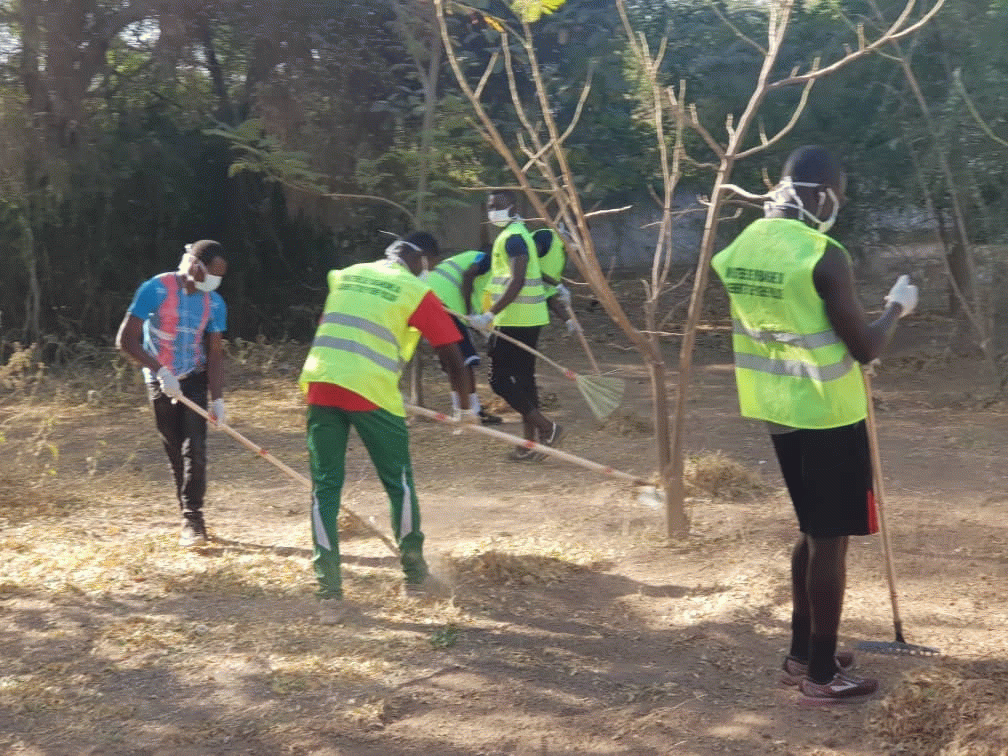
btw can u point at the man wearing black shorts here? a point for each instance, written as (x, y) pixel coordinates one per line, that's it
(514, 304)
(798, 333)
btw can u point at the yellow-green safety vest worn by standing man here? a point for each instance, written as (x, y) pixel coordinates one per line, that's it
(529, 307)
(790, 366)
(446, 282)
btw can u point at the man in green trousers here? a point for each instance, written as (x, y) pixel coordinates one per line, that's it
(374, 316)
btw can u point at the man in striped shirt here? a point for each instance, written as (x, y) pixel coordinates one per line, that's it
(174, 330)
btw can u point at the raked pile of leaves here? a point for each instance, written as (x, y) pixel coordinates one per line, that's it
(952, 709)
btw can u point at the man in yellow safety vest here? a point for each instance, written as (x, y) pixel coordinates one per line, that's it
(798, 333)
(515, 303)
(446, 282)
(374, 316)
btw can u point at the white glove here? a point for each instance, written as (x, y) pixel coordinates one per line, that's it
(573, 327)
(563, 294)
(217, 412)
(169, 383)
(481, 322)
(904, 294)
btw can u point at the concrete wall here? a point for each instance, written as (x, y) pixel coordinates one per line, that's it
(624, 241)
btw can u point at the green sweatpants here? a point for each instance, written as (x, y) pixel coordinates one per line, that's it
(387, 441)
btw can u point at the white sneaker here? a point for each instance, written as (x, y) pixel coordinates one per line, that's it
(193, 535)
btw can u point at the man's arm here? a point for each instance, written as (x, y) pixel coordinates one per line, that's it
(215, 364)
(435, 325)
(834, 281)
(129, 340)
(553, 303)
(468, 278)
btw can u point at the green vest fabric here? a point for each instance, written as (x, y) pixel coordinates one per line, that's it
(364, 338)
(553, 262)
(529, 307)
(446, 281)
(790, 367)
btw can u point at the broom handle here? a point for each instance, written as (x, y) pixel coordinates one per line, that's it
(259, 451)
(501, 436)
(876, 461)
(584, 341)
(567, 373)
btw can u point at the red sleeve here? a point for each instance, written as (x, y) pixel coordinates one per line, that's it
(433, 322)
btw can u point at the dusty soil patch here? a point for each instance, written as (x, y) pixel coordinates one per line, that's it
(574, 627)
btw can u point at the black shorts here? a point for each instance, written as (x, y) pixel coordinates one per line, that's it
(469, 354)
(828, 474)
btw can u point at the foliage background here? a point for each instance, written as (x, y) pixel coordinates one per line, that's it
(121, 125)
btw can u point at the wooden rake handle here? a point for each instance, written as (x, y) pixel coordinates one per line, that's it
(261, 452)
(567, 373)
(876, 461)
(517, 441)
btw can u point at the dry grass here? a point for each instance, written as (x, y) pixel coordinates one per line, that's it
(721, 476)
(526, 561)
(954, 709)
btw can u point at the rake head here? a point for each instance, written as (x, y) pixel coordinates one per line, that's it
(896, 648)
(603, 394)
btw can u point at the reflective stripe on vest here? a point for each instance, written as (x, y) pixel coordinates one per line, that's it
(529, 307)
(808, 341)
(364, 337)
(790, 366)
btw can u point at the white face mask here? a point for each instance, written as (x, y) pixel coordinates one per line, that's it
(499, 217)
(209, 283)
(786, 196)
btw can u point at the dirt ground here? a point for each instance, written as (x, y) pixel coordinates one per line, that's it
(574, 628)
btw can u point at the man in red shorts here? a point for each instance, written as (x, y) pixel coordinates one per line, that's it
(798, 334)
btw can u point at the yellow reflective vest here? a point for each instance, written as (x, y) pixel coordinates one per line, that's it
(790, 367)
(553, 262)
(364, 338)
(446, 281)
(529, 307)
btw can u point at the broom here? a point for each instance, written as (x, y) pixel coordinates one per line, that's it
(601, 393)
(898, 647)
(647, 492)
(259, 451)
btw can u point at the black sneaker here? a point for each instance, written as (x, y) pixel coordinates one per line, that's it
(844, 687)
(193, 534)
(487, 419)
(553, 441)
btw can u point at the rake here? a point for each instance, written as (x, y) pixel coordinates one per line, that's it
(647, 492)
(898, 647)
(601, 393)
(261, 452)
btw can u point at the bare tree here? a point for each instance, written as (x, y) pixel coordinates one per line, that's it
(544, 175)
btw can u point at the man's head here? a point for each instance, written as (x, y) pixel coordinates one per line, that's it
(204, 264)
(418, 251)
(813, 178)
(500, 207)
